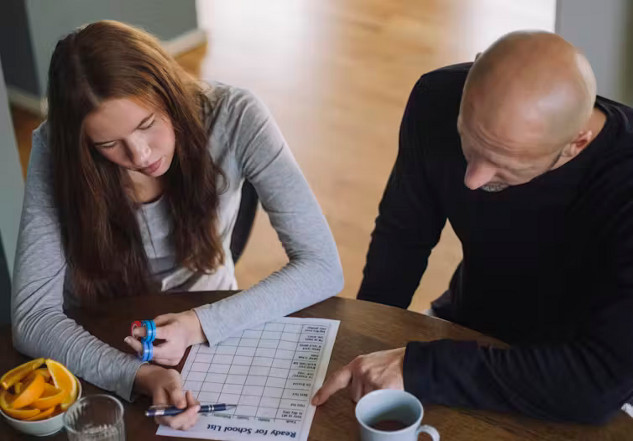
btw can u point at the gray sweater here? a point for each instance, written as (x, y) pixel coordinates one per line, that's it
(247, 144)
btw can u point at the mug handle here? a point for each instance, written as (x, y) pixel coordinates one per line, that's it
(430, 430)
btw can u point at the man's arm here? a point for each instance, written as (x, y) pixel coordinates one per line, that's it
(410, 221)
(585, 381)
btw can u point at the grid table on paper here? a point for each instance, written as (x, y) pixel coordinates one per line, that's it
(268, 371)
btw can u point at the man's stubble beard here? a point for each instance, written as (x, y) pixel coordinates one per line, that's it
(494, 188)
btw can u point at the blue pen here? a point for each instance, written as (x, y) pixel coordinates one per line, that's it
(173, 410)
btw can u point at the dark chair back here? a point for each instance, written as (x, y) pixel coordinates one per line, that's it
(244, 221)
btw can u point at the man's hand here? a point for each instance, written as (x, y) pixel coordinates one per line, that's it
(378, 370)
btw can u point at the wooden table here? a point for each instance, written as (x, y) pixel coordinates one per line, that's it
(365, 327)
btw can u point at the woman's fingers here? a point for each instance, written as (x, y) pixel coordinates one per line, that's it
(167, 354)
(176, 395)
(163, 332)
(186, 419)
(160, 397)
(134, 344)
(191, 400)
(182, 421)
(167, 361)
(163, 319)
(169, 351)
(139, 332)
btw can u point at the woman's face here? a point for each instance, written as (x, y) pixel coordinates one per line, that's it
(132, 135)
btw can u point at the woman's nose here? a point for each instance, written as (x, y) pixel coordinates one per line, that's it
(139, 152)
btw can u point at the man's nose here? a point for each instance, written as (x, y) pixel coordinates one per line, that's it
(478, 174)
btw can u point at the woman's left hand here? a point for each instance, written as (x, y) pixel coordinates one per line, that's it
(179, 331)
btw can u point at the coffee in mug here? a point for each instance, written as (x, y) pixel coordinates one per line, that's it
(392, 415)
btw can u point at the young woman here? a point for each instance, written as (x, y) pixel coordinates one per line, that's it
(133, 185)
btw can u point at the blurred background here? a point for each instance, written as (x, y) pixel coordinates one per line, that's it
(336, 75)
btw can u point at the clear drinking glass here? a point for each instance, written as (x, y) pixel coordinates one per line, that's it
(95, 418)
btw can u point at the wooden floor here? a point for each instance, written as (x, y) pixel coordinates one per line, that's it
(336, 75)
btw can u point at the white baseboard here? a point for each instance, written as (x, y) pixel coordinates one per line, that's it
(27, 101)
(39, 105)
(185, 42)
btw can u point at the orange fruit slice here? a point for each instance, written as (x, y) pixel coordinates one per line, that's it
(71, 398)
(64, 380)
(18, 373)
(45, 402)
(49, 390)
(18, 387)
(32, 391)
(42, 415)
(6, 399)
(41, 371)
(21, 414)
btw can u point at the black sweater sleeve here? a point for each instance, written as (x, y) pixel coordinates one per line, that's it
(586, 380)
(409, 222)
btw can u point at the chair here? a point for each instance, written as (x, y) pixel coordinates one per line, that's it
(244, 221)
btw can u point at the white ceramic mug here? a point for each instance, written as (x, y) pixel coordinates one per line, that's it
(381, 407)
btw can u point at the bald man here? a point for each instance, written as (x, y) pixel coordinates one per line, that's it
(535, 174)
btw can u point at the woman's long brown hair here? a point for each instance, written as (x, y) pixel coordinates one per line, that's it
(101, 235)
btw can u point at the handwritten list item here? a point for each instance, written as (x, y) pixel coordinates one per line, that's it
(270, 372)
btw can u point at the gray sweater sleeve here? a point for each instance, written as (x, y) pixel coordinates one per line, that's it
(314, 271)
(40, 327)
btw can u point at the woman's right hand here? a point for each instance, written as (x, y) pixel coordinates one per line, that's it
(165, 388)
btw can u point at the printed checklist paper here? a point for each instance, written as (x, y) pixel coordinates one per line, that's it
(270, 372)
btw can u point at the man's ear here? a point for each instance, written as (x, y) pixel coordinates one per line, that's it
(579, 143)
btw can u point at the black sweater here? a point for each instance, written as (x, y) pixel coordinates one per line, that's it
(547, 267)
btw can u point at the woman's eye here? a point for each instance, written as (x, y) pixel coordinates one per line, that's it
(106, 146)
(148, 125)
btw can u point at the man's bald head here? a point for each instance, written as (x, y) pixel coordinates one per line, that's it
(527, 95)
(533, 77)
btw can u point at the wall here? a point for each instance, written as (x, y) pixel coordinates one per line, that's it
(604, 32)
(31, 28)
(16, 49)
(50, 20)
(11, 194)
(5, 289)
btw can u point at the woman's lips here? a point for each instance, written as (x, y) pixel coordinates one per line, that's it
(152, 167)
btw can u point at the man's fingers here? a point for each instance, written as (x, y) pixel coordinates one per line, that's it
(339, 380)
(356, 389)
(366, 389)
